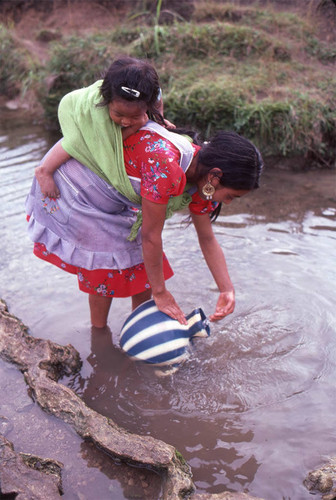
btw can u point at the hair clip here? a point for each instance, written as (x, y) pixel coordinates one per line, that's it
(132, 92)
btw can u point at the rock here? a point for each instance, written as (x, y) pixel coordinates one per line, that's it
(25, 476)
(43, 363)
(12, 105)
(16, 104)
(323, 480)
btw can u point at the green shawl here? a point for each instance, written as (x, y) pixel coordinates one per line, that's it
(92, 138)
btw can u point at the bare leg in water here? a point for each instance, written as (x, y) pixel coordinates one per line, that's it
(140, 298)
(100, 306)
(99, 309)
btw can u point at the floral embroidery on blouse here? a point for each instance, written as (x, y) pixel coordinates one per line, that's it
(155, 160)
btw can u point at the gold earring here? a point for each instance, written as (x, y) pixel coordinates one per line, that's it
(208, 190)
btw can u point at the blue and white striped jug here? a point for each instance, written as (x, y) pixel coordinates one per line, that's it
(154, 337)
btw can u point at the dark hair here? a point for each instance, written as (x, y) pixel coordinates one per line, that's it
(193, 134)
(134, 80)
(238, 159)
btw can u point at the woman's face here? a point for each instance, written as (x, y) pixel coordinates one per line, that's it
(226, 195)
(128, 113)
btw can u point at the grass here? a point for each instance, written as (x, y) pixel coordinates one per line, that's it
(248, 69)
(190, 40)
(74, 63)
(16, 65)
(323, 51)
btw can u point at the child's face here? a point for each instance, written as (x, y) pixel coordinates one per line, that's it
(128, 113)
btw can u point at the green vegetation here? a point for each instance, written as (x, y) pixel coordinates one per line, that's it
(264, 74)
(180, 458)
(201, 40)
(16, 65)
(323, 51)
(74, 63)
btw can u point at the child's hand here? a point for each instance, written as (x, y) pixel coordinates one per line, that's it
(168, 124)
(47, 183)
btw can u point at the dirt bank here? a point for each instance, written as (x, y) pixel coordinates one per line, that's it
(28, 18)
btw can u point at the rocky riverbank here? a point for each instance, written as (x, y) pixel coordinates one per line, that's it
(42, 364)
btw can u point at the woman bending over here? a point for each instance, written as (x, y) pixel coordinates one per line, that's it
(91, 230)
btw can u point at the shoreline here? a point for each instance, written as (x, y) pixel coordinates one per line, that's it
(220, 67)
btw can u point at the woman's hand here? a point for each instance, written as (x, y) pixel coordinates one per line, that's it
(225, 305)
(167, 304)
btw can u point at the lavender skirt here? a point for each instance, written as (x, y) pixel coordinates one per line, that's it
(89, 224)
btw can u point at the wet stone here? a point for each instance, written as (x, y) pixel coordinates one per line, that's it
(323, 480)
(28, 476)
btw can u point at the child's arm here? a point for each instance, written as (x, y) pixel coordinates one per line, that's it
(44, 173)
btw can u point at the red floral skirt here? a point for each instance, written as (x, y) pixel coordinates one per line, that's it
(106, 282)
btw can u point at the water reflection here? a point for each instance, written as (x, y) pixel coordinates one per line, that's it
(135, 483)
(177, 409)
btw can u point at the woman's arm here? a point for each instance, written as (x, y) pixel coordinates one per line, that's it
(44, 173)
(153, 218)
(216, 262)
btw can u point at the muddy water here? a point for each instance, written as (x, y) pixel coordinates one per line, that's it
(253, 408)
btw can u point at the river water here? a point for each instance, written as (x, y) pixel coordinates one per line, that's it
(253, 408)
